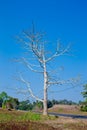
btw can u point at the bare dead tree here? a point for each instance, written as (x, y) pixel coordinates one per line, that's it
(34, 43)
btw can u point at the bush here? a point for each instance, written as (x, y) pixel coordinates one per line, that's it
(83, 108)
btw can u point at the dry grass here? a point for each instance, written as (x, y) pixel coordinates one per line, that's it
(29, 125)
(67, 123)
(67, 109)
(19, 120)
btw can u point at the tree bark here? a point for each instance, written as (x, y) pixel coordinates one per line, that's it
(45, 111)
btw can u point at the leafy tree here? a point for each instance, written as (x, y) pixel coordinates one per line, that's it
(38, 105)
(4, 96)
(49, 104)
(25, 105)
(7, 101)
(1, 101)
(12, 103)
(84, 93)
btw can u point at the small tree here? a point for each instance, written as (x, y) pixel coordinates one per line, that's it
(84, 93)
(3, 98)
(13, 102)
(36, 45)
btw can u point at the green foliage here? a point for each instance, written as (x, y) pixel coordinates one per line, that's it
(1, 101)
(25, 105)
(8, 102)
(83, 108)
(30, 116)
(49, 104)
(13, 103)
(84, 93)
(64, 102)
(19, 116)
(5, 117)
(3, 96)
(20, 120)
(84, 104)
(37, 105)
(3, 106)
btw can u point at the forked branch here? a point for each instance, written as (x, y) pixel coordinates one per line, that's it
(59, 52)
(29, 88)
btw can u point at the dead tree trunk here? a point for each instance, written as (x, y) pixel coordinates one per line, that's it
(45, 111)
(35, 44)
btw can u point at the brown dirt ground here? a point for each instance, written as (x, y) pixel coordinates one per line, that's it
(67, 109)
(60, 123)
(67, 123)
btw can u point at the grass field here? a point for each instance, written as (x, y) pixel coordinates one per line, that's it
(20, 120)
(67, 109)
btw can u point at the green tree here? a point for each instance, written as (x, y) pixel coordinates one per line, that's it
(1, 101)
(4, 96)
(38, 105)
(7, 101)
(84, 93)
(12, 103)
(49, 104)
(25, 105)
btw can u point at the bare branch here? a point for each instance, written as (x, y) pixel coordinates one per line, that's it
(29, 89)
(30, 66)
(72, 81)
(59, 52)
(35, 42)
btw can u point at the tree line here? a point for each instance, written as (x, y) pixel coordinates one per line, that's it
(13, 103)
(8, 102)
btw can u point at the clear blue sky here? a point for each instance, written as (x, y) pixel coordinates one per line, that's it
(61, 19)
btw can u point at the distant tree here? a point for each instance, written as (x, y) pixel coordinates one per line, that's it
(4, 96)
(7, 101)
(54, 102)
(13, 102)
(1, 101)
(84, 93)
(35, 44)
(49, 104)
(25, 105)
(80, 102)
(84, 103)
(37, 106)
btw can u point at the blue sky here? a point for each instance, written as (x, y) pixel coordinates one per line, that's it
(60, 19)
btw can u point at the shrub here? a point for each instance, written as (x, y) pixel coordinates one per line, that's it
(83, 108)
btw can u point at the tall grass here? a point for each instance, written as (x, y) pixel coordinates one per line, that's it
(22, 116)
(18, 120)
(29, 116)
